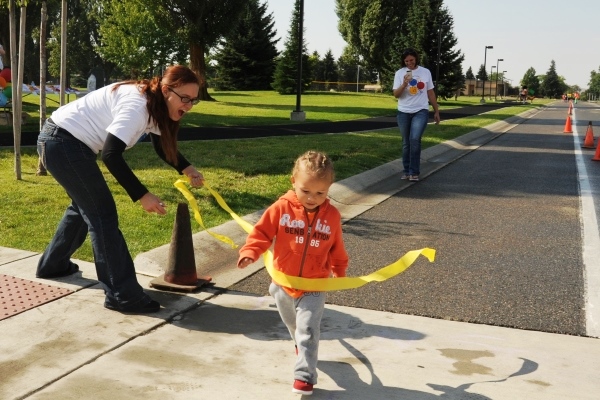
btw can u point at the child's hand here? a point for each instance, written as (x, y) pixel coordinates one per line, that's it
(244, 262)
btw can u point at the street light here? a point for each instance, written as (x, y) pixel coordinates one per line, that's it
(357, 76)
(497, 71)
(484, 65)
(298, 114)
(491, 73)
(503, 84)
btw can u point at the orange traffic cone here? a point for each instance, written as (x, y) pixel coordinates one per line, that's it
(568, 128)
(180, 274)
(597, 155)
(570, 111)
(588, 142)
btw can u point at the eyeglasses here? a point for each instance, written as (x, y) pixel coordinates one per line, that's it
(185, 100)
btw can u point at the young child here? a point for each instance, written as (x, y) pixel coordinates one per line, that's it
(308, 233)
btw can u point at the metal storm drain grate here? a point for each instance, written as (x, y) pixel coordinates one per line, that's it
(18, 295)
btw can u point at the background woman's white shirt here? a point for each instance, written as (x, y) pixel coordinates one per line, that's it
(414, 97)
(121, 112)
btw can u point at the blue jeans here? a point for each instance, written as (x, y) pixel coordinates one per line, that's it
(93, 210)
(411, 128)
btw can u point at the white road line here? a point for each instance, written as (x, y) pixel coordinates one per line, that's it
(591, 243)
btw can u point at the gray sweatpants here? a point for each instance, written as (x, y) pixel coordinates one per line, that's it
(302, 316)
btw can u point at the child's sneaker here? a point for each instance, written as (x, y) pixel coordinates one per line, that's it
(302, 387)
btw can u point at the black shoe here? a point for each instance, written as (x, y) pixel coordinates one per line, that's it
(70, 271)
(151, 306)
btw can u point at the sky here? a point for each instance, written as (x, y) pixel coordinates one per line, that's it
(524, 33)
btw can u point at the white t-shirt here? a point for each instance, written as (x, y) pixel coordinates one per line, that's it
(414, 96)
(121, 112)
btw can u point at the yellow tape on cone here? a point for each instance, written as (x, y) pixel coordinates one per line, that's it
(307, 284)
(180, 185)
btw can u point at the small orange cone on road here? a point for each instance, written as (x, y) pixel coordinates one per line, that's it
(588, 142)
(568, 128)
(570, 111)
(597, 155)
(180, 273)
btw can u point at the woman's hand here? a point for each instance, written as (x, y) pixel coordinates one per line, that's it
(151, 203)
(244, 262)
(196, 178)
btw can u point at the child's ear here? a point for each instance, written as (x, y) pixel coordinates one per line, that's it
(292, 179)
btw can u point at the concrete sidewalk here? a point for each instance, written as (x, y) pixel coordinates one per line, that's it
(233, 345)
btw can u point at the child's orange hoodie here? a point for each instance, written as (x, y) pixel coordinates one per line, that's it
(308, 246)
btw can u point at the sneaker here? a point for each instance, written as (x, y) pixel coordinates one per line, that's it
(405, 177)
(151, 306)
(302, 387)
(414, 178)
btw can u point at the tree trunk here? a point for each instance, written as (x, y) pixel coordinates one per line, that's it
(198, 65)
(41, 170)
(63, 51)
(43, 63)
(16, 98)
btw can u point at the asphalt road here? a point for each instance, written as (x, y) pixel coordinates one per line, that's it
(505, 221)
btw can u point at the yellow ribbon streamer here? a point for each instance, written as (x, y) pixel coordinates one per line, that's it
(307, 284)
(180, 185)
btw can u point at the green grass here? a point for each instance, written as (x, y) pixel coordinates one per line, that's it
(249, 174)
(262, 108)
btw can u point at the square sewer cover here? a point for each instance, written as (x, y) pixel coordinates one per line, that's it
(18, 295)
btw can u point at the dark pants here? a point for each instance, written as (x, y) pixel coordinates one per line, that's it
(92, 210)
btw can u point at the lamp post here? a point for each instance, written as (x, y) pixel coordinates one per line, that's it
(497, 72)
(503, 84)
(491, 73)
(484, 65)
(437, 64)
(298, 114)
(357, 76)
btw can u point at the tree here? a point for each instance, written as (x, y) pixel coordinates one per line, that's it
(439, 36)
(329, 67)
(469, 74)
(347, 67)
(531, 81)
(431, 35)
(41, 169)
(482, 73)
(247, 55)
(551, 85)
(371, 26)
(200, 24)
(82, 31)
(324, 70)
(286, 73)
(315, 64)
(593, 91)
(137, 46)
(16, 68)
(594, 83)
